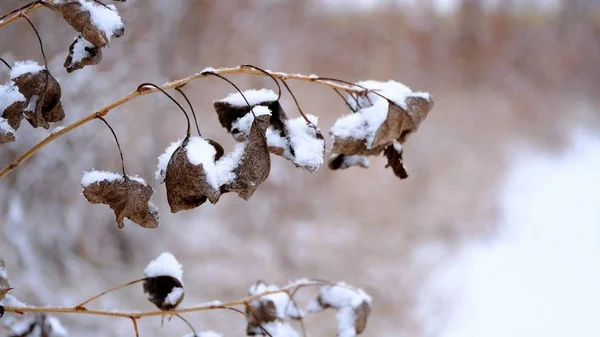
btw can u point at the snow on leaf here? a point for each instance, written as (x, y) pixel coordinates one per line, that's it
(164, 281)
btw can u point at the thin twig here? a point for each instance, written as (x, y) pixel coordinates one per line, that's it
(135, 326)
(268, 74)
(187, 118)
(24, 16)
(296, 101)
(12, 16)
(5, 63)
(178, 89)
(346, 101)
(118, 145)
(82, 304)
(139, 315)
(106, 109)
(188, 324)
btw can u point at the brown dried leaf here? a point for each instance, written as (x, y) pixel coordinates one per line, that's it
(76, 15)
(7, 134)
(399, 124)
(255, 164)
(82, 53)
(45, 90)
(259, 314)
(4, 285)
(362, 315)
(228, 114)
(394, 156)
(127, 197)
(186, 183)
(14, 112)
(166, 292)
(342, 161)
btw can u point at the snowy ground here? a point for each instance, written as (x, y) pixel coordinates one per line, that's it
(541, 276)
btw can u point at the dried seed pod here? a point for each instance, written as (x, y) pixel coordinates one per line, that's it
(95, 22)
(342, 161)
(42, 92)
(255, 164)
(128, 197)
(82, 53)
(12, 103)
(353, 307)
(394, 156)
(190, 177)
(164, 283)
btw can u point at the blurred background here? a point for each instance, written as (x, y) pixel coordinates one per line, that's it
(495, 233)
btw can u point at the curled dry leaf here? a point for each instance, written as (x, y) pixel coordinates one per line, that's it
(4, 285)
(163, 283)
(342, 161)
(82, 53)
(189, 184)
(255, 164)
(7, 133)
(42, 93)
(394, 156)
(95, 22)
(12, 103)
(353, 307)
(128, 197)
(269, 308)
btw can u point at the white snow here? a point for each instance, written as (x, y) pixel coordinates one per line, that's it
(79, 52)
(105, 19)
(346, 319)
(280, 329)
(92, 177)
(56, 129)
(540, 276)
(54, 327)
(11, 301)
(174, 296)
(339, 296)
(5, 127)
(163, 160)
(200, 152)
(361, 161)
(9, 94)
(24, 67)
(227, 164)
(244, 123)
(285, 307)
(165, 265)
(205, 334)
(253, 96)
(363, 124)
(308, 149)
(393, 90)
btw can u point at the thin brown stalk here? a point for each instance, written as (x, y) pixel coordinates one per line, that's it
(146, 91)
(12, 16)
(135, 326)
(82, 304)
(139, 315)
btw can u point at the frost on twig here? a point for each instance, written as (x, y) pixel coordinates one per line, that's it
(127, 196)
(164, 283)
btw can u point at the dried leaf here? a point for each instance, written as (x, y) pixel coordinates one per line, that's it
(7, 133)
(43, 94)
(4, 285)
(342, 161)
(95, 22)
(258, 315)
(12, 103)
(394, 156)
(255, 164)
(353, 307)
(269, 308)
(166, 292)
(398, 124)
(186, 183)
(128, 197)
(82, 53)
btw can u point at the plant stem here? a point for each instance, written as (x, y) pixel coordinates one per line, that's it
(178, 83)
(139, 315)
(80, 306)
(10, 17)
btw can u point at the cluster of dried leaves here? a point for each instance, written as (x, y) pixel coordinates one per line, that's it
(32, 92)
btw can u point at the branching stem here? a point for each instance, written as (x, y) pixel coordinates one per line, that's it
(118, 145)
(137, 93)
